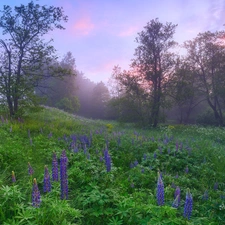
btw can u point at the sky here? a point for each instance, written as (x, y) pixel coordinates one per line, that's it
(101, 33)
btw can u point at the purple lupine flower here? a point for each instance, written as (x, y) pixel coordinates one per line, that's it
(55, 174)
(108, 164)
(177, 196)
(188, 205)
(30, 170)
(144, 156)
(63, 175)
(135, 163)
(176, 202)
(36, 198)
(160, 190)
(155, 156)
(132, 185)
(177, 146)
(222, 197)
(107, 159)
(186, 169)
(205, 195)
(177, 176)
(216, 186)
(173, 185)
(181, 146)
(50, 135)
(168, 150)
(75, 150)
(160, 149)
(47, 183)
(13, 177)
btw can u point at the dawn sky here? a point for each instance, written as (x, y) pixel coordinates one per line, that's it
(101, 33)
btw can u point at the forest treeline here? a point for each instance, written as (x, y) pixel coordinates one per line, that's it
(161, 85)
(166, 82)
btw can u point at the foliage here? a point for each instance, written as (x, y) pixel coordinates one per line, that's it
(69, 105)
(125, 195)
(25, 58)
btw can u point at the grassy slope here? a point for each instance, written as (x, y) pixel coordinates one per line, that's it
(107, 197)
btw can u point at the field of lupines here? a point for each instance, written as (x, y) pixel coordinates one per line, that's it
(61, 169)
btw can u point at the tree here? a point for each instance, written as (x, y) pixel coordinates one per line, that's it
(206, 54)
(130, 100)
(154, 62)
(25, 58)
(54, 89)
(183, 90)
(99, 100)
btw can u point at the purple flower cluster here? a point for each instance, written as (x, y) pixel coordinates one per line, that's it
(63, 175)
(160, 190)
(55, 176)
(188, 205)
(107, 160)
(30, 170)
(36, 198)
(176, 201)
(47, 183)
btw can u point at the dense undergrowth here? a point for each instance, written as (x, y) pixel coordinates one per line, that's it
(187, 156)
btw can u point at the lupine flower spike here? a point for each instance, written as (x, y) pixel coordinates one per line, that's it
(55, 174)
(160, 190)
(13, 177)
(176, 198)
(175, 202)
(63, 175)
(30, 169)
(188, 205)
(47, 182)
(36, 198)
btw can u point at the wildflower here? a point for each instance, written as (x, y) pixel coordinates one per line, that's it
(216, 186)
(176, 202)
(144, 157)
(168, 151)
(160, 190)
(63, 175)
(177, 196)
(30, 170)
(13, 177)
(188, 205)
(186, 169)
(205, 195)
(47, 182)
(50, 135)
(173, 185)
(55, 176)
(135, 163)
(36, 198)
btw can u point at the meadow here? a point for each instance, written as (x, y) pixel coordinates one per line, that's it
(57, 168)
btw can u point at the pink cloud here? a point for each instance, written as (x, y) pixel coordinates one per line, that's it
(130, 31)
(83, 26)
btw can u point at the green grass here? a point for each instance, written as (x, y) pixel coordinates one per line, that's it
(124, 195)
